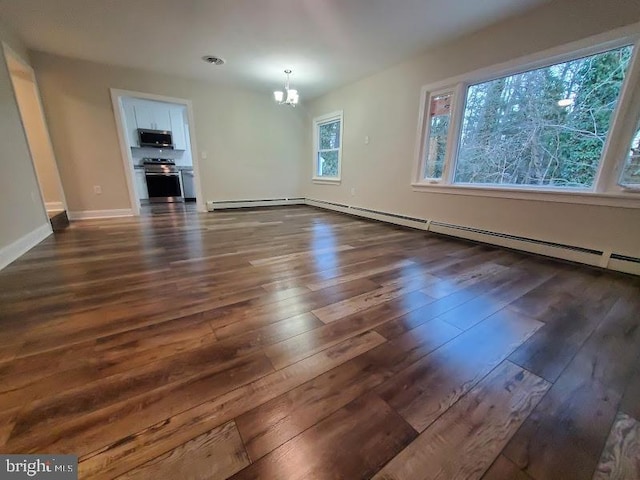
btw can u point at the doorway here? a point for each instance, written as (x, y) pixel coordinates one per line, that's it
(27, 96)
(157, 142)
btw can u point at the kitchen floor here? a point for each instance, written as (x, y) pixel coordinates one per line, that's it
(176, 208)
(295, 343)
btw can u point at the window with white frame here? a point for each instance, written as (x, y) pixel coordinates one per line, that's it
(540, 127)
(631, 170)
(328, 147)
(437, 133)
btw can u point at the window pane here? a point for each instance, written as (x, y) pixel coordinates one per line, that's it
(631, 172)
(328, 164)
(545, 127)
(329, 134)
(436, 146)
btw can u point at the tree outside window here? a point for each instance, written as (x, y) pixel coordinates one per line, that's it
(544, 127)
(631, 171)
(328, 147)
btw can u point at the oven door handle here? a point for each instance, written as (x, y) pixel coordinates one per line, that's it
(153, 174)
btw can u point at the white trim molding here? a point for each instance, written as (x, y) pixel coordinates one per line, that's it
(54, 206)
(15, 250)
(10, 53)
(93, 214)
(579, 197)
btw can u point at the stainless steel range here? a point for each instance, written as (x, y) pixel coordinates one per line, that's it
(163, 180)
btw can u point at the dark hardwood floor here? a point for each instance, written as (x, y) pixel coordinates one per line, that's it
(295, 343)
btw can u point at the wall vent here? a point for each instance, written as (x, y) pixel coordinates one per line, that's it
(263, 202)
(518, 238)
(616, 256)
(574, 253)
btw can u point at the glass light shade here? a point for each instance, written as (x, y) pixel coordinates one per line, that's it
(565, 102)
(278, 95)
(292, 96)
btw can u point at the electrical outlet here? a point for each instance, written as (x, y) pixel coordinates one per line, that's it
(366, 140)
(203, 155)
(353, 191)
(97, 189)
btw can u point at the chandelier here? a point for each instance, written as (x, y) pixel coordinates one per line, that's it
(291, 97)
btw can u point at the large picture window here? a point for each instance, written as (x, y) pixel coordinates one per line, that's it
(328, 147)
(537, 127)
(544, 127)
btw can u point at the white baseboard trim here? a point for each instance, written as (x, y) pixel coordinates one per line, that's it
(15, 250)
(588, 256)
(548, 249)
(54, 206)
(91, 214)
(393, 218)
(631, 266)
(263, 202)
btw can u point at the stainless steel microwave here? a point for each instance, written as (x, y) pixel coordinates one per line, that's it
(155, 138)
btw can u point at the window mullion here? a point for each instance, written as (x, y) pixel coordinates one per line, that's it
(425, 137)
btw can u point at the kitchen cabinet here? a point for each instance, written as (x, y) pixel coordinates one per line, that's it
(188, 184)
(132, 125)
(140, 184)
(176, 115)
(152, 115)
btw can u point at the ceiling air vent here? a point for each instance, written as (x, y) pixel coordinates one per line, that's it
(213, 60)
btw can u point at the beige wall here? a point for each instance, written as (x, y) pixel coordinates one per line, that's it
(37, 134)
(385, 108)
(253, 146)
(21, 210)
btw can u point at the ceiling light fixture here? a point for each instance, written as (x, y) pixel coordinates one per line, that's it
(566, 102)
(291, 94)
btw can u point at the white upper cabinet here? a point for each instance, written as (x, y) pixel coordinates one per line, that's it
(144, 115)
(162, 118)
(132, 124)
(177, 127)
(152, 115)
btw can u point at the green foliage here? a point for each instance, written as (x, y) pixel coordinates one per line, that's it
(437, 146)
(631, 172)
(515, 132)
(329, 144)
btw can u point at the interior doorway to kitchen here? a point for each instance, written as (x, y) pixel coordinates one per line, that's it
(158, 149)
(27, 96)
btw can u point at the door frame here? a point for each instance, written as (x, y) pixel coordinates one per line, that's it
(10, 52)
(117, 95)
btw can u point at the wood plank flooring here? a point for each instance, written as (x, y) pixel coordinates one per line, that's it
(295, 343)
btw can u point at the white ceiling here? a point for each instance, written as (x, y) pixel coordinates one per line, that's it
(325, 42)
